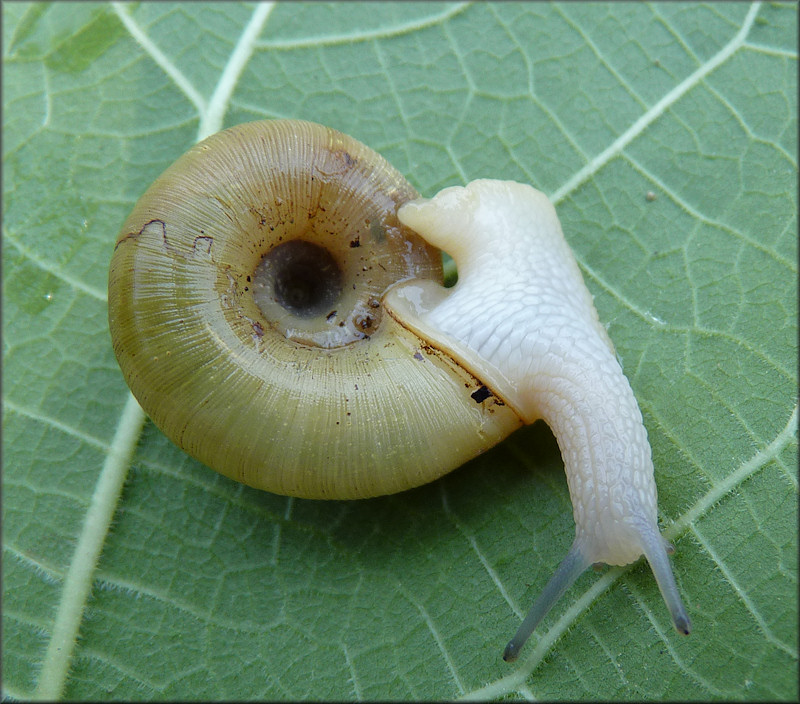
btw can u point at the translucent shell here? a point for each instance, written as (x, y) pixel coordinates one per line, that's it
(316, 390)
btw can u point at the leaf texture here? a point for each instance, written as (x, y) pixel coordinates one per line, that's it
(666, 134)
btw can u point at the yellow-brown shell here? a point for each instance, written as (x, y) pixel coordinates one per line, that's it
(339, 401)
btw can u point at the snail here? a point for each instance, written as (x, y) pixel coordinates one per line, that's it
(276, 306)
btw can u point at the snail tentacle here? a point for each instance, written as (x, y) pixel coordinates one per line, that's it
(656, 551)
(572, 566)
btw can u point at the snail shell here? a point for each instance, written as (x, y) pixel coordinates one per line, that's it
(317, 392)
(276, 311)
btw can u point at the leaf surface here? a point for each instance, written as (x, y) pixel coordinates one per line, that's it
(666, 134)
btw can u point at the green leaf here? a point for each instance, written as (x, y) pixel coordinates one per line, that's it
(666, 135)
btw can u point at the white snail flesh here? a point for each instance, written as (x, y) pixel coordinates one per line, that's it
(276, 306)
(539, 343)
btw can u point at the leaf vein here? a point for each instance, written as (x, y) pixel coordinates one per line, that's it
(741, 593)
(476, 549)
(49, 574)
(436, 636)
(654, 112)
(697, 215)
(668, 644)
(158, 56)
(735, 478)
(357, 37)
(57, 424)
(50, 269)
(78, 582)
(213, 114)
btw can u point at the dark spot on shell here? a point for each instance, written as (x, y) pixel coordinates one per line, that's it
(345, 156)
(330, 316)
(364, 322)
(355, 243)
(418, 356)
(134, 235)
(481, 394)
(202, 244)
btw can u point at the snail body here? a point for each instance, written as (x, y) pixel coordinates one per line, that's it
(276, 306)
(539, 341)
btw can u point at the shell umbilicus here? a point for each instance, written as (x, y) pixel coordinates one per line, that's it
(275, 304)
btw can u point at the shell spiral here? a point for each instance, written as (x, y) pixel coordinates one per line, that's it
(245, 309)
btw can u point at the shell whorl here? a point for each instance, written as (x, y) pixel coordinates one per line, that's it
(326, 404)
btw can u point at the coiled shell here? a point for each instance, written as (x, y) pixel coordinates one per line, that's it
(318, 392)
